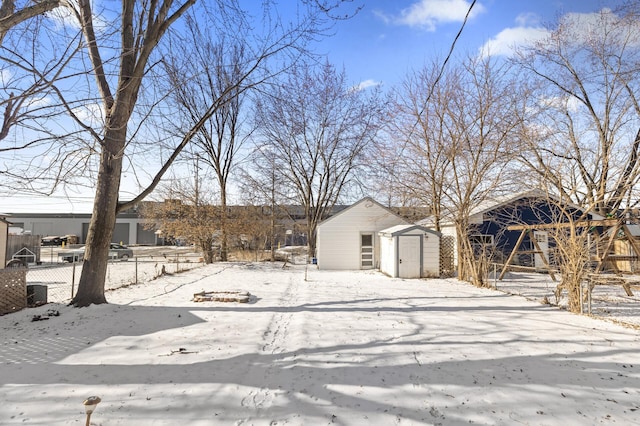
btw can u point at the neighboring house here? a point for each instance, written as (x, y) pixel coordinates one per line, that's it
(489, 222)
(410, 251)
(349, 239)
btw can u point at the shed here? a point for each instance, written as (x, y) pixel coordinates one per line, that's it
(349, 239)
(410, 251)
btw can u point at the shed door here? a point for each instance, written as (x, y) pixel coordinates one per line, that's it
(366, 251)
(409, 256)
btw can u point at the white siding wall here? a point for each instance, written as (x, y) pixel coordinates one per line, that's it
(338, 238)
(431, 256)
(388, 256)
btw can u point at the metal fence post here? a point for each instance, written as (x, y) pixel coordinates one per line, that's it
(73, 279)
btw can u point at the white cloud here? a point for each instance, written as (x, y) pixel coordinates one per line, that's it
(90, 114)
(586, 22)
(63, 17)
(509, 39)
(366, 84)
(583, 27)
(565, 103)
(574, 27)
(428, 14)
(34, 103)
(5, 77)
(528, 19)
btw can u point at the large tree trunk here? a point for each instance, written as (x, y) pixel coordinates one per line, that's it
(101, 226)
(312, 226)
(206, 245)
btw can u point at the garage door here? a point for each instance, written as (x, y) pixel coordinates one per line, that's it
(120, 233)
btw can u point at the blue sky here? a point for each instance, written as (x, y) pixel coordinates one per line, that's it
(388, 38)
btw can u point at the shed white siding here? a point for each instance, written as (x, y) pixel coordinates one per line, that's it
(388, 255)
(338, 238)
(391, 257)
(431, 255)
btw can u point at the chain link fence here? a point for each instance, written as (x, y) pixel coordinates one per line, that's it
(59, 281)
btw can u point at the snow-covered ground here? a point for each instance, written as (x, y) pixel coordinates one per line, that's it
(316, 347)
(608, 302)
(61, 278)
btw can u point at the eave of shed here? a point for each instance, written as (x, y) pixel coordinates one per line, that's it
(403, 229)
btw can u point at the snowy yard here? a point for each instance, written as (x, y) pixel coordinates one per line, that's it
(347, 348)
(608, 302)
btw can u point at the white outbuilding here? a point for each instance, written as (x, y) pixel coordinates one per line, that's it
(409, 251)
(349, 240)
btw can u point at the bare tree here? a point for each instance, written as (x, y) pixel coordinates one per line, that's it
(11, 16)
(582, 130)
(116, 69)
(318, 127)
(455, 129)
(31, 105)
(457, 137)
(574, 247)
(249, 224)
(262, 184)
(421, 123)
(221, 65)
(480, 128)
(185, 212)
